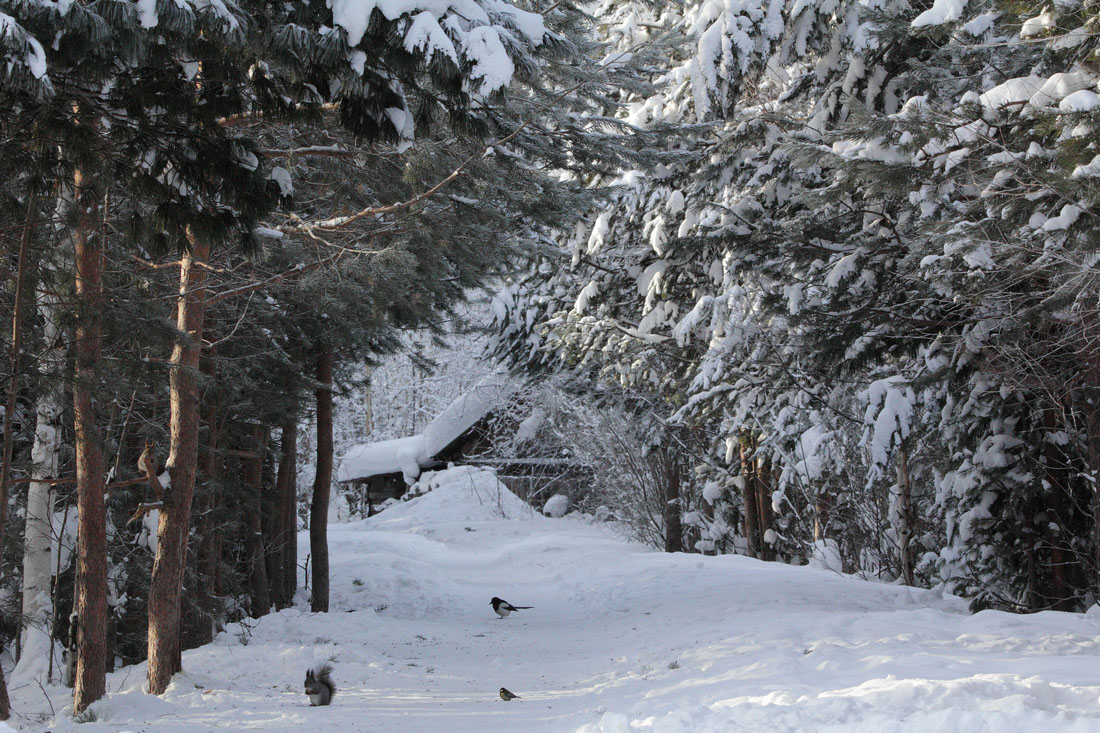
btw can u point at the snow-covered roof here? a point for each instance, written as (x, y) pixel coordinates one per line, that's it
(408, 455)
(464, 412)
(402, 455)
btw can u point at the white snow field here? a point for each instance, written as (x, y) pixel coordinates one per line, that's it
(621, 638)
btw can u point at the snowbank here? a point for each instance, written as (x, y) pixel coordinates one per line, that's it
(556, 506)
(457, 494)
(620, 638)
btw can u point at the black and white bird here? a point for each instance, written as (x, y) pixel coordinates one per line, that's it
(507, 696)
(503, 608)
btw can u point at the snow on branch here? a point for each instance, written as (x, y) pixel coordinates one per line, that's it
(887, 420)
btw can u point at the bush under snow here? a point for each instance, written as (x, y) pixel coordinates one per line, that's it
(556, 506)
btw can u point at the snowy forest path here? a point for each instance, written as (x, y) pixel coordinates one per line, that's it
(618, 634)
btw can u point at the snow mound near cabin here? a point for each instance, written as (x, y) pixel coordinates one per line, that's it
(456, 494)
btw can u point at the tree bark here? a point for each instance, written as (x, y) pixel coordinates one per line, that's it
(271, 505)
(14, 363)
(322, 483)
(1032, 598)
(209, 554)
(822, 506)
(748, 494)
(281, 534)
(1055, 468)
(166, 584)
(38, 646)
(272, 512)
(368, 400)
(259, 593)
(821, 516)
(91, 543)
(764, 506)
(905, 519)
(674, 530)
(288, 540)
(1094, 473)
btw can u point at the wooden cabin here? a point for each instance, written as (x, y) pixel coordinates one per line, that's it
(469, 431)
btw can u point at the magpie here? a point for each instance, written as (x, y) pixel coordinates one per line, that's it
(503, 608)
(507, 696)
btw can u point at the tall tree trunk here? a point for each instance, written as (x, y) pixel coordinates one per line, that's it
(748, 494)
(322, 483)
(1093, 441)
(14, 363)
(272, 509)
(288, 502)
(1055, 469)
(38, 646)
(274, 520)
(209, 553)
(368, 400)
(764, 506)
(1032, 598)
(166, 584)
(905, 519)
(91, 539)
(280, 532)
(674, 530)
(822, 506)
(259, 593)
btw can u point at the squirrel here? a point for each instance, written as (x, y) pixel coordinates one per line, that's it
(146, 462)
(319, 684)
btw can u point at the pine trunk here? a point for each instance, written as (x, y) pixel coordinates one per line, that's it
(1055, 468)
(166, 584)
(272, 507)
(368, 400)
(281, 531)
(748, 493)
(674, 530)
(288, 540)
(822, 505)
(209, 551)
(322, 483)
(259, 593)
(1032, 598)
(764, 506)
(1094, 473)
(905, 519)
(91, 543)
(271, 510)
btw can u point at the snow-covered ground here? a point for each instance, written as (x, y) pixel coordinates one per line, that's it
(620, 638)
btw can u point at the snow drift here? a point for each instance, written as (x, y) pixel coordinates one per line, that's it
(621, 638)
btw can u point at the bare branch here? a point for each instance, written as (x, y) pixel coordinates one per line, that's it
(144, 509)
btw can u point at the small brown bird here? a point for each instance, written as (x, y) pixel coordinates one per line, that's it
(508, 696)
